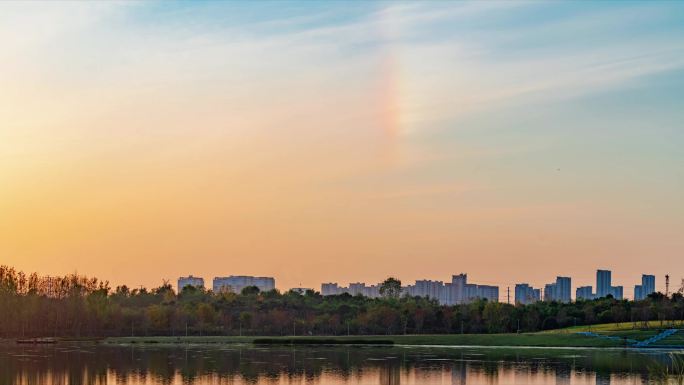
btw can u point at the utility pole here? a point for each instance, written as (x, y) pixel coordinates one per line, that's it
(667, 285)
(508, 295)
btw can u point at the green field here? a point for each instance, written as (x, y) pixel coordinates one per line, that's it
(622, 326)
(567, 337)
(633, 331)
(523, 339)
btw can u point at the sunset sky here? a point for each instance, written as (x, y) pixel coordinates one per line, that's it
(322, 141)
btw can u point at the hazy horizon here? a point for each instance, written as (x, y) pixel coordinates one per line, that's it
(342, 142)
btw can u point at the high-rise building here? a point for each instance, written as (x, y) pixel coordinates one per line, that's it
(488, 292)
(558, 291)
(458, 288)
(647, 284)
(190, 281)
(357, 288)
(330, 289)
(235, 283)
(647, 287)
(372, 291)
(464, 292)
(458, 291)
(536, 293)
(584, 292)
(526, 294)
(550, 292)
(445, 298)
(426, 288)
(563, 289)
(616, 292)
(603, 283)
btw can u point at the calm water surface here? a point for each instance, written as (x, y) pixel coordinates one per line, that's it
(235, 364)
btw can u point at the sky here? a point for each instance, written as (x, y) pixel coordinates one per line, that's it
(343, 141)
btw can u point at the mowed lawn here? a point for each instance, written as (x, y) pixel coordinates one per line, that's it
(522, 339)
(637, 331)
(566, 337)
(622, 326)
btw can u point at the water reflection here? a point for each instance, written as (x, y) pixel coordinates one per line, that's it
(236, 365)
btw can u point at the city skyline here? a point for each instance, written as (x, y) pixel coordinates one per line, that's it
(317, 141)
(450, 293)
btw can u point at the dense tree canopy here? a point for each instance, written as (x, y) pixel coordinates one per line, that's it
(79, 306)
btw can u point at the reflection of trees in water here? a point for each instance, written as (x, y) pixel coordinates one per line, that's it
(390, 373)
(458, 373)
(602, 378)
(91, 364)
(563, 374)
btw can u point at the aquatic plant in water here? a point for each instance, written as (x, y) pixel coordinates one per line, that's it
(668, 374)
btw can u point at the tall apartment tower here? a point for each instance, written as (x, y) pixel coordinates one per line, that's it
(616, 292)
(603, 283)
(550, 292)
(526, 294)
(584, 292)
(563, 289)
(647, 287)
(458, 288)
(647, 284)
(558, 291)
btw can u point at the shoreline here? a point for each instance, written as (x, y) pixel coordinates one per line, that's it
(519, 340)
(460, 340)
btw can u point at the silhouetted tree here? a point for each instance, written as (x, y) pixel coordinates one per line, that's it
(390, 288)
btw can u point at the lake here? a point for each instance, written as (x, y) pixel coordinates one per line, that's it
(246, 364)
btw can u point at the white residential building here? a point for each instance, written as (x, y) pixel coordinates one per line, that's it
(235, 283)
(331, 289)
(458, 291)
(190, 281)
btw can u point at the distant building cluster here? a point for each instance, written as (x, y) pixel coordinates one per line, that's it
(458, 291)
(604, 287)
(233, 283)
(526, 294)
(358, 288)
(647, 287)
(558, 291)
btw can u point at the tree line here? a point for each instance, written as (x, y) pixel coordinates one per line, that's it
(79, 306)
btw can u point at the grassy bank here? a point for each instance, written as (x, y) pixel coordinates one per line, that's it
(619, 327)
(523, 339)
(630, 330)
(566, 337)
